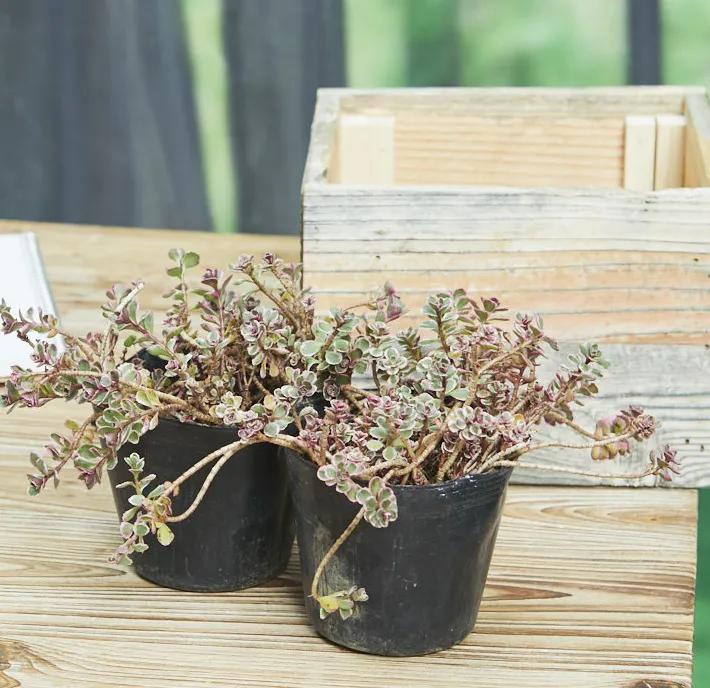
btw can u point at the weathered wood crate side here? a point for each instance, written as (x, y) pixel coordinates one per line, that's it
(628, 269)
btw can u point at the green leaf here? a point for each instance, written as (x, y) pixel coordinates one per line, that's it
(174, 272)
(156, 492)
(136, 499)
(461, 394)
(129, 513)
(363, 494)
(374, 445)
(333, 357)
(190, 260)
(310, 348)
(86, 452)
(158, 351)
(147, 398)
(271, 429)
(164, 534)
(341, 345)
(141, 529)
(147, 321)
(175, 254)
(379, 433)
(329, 604)
(389, 453)
(83, 464)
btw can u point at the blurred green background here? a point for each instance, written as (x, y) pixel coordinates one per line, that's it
(471, 43)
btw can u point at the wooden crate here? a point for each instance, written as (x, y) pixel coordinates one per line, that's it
(590, 207)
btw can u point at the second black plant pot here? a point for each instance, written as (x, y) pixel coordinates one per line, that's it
(424, 573)
(242, 532)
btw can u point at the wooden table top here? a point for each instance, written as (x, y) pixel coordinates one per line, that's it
(589, 587)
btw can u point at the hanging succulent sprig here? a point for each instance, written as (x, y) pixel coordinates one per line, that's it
(456, 396)
(465, 399)
(218, 359)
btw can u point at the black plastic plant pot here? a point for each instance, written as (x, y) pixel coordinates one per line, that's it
(424, 573)
(242, 532)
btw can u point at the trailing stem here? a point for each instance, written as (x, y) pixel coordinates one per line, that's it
(331, 552)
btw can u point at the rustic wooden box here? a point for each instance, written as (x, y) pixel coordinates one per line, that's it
(566, 203)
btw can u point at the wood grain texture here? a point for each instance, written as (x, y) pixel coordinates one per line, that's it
(639, 152)
(670, 151)
(553, 102)
(512, 150)
(697, 152)
(588, 587)
(366, 149)
(671, 382)
(631, 270)
(618, 267)
(413, 106)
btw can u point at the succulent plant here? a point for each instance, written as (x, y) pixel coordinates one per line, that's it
(456, 396)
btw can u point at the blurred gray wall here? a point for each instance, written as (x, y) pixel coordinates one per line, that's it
(97, 120)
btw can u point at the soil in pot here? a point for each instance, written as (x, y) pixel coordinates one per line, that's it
(242, 532)
(424, 573)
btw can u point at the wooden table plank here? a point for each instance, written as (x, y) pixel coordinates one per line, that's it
(588, 587)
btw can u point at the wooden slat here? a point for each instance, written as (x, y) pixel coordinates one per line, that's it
(566, 604)
(321, 161)
(511, 150)
(620, 267)
(554, 102)
(625, 268)
(670, 382)
(639, 152)
(366, 149)
(697, 151)
(670, 151)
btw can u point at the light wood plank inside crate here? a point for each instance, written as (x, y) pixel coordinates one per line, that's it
(511, 151)
(697, 145)
(579, 139)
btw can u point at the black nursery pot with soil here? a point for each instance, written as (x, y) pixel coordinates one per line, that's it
(424, 573)
(238, 537)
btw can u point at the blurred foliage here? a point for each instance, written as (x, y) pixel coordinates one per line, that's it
(203, 24)
(686, 49)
